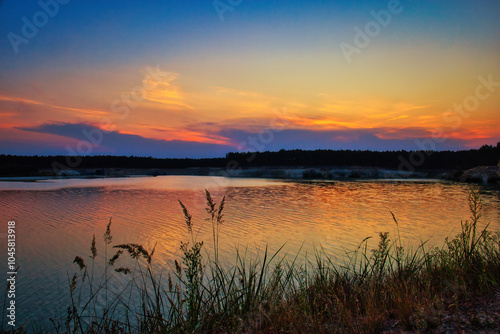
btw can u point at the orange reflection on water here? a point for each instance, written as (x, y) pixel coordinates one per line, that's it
(57, 220)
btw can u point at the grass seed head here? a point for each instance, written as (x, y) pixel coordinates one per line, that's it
(123, 270)
(187, 216)
(178, 267)
(210, 203)
(72, 285)
(79, 261)
(115, 257)
(107, 235)
(93, 248)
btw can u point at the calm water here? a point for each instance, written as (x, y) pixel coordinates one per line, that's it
(55, 221)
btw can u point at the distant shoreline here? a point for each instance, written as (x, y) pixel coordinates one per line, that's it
(482, 175)
(474, 165)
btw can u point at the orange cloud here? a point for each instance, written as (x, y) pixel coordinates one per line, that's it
(323, 123)
(165, 93)
(87, 112)
(172, 133)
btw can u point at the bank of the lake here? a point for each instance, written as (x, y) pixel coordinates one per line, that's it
(485, 175)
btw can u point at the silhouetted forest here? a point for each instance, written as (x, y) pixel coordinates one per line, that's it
(487, 155)
(419, 160)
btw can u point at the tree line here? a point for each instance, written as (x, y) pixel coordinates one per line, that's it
(487, 155)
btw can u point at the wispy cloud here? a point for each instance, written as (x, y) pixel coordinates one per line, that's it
(82, 111)
(129, 144)
(201, 136)
(408, 107)
(398, 117)
(231, 91)
(166, 93)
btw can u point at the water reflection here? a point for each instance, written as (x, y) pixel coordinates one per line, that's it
(56, 220)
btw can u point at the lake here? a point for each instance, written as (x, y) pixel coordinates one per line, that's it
(56, 220)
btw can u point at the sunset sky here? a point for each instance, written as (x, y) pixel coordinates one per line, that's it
(203, 78)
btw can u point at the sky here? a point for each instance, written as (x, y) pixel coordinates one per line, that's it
(200, 79)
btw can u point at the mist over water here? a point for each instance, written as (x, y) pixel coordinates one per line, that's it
(55, 221)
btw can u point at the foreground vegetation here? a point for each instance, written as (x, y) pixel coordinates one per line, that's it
(388, 288)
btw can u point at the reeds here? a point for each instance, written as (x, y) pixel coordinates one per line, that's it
(390, 285)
